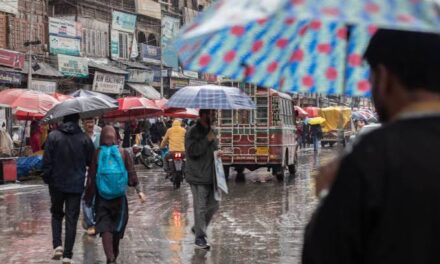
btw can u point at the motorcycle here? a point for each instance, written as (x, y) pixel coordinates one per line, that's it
(148, 156)
(176, 164)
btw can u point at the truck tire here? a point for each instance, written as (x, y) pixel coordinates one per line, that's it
(240, 174)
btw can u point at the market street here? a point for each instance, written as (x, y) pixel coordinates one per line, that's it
(257, 222)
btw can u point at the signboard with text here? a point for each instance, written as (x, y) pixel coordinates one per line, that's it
(178, 83)
(140, 76)
(108, 83)
(63, 28)
(170, 29)
(10, 78)
(123, 22)
(150, 53)
(11, 59)
(44, 86)
(66, 46)
(73, 66)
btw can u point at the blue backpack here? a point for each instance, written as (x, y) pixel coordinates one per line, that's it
(112, 176)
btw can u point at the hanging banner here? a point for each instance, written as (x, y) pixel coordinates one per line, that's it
(73, 66)
(108, 83)
(66, 46)
(44, 86)
(140, 76)
(115, 44)
(9, 6)
(10, 78)
(11, 59)
(123, 22)
(150, 53)
(63, 28)
(134, 49)
(170, 29)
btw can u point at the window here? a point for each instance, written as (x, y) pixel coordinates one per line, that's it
(276, 111)
(262, 107)
(226, 117)
(123, 46)
(152, 40)
(141, 37)
(94, 43)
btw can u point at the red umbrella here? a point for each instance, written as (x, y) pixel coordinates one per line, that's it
(312, 111)
(133, 108)
(187, 113)
(23, 115)
(28, 101)
(301, 112)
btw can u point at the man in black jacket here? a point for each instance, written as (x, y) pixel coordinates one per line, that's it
(384, 203)
(200, 144)
(68, 152)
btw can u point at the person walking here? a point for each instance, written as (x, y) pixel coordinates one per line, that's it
(200, 144)
(110, 173)
(90, 129)
(68, 151)
(316, 134)
(381, 201)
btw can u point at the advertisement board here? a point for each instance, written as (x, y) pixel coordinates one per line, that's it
(66, 46)
(123, 22)
(170, 29)
(108, 83)
(13, 78)
(150, 54)
(63, 28)
(114, 44)
(44, 86)
(73, 66)
(140, 76)
(11, 59)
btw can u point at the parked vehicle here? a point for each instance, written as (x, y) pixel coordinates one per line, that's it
(148, 156)
(264, 137)
(338, 127)
(176, 166)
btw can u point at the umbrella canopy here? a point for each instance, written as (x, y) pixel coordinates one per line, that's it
(22, 115)
(316, 121)
(187, 113)
(87, 107)
(301, 112)
(133, 108)
(61, 97)
(210, 97)
(87, 93)
(295, 45)
(28, 101)
(312, 111)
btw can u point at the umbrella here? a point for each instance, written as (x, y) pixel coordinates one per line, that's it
(23, 115)
(28, 101)
(87, 107)
(295, 45)
(210, 97)
(133, 108)
(187, 113)
(316, 120)
(312, 111)
(301, 112)
(87, 93)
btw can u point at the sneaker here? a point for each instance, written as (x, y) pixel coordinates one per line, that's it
(67, 261)
(58, 253)
(201, 243)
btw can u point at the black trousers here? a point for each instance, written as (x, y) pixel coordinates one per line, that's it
(64, 204)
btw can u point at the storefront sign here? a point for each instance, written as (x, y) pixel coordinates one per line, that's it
(149, 8)
(10, 78)
(108, 83)
(210, 77)
(44, 86)
(123, 22)
(191, 74)
(150, 53)
(66, 46)
(115, 44)
(11, 59)
(197, 82)
(9, 6)
(73, 66)
(170, 29)
(63, 28)
(178, 83)
(140, 76)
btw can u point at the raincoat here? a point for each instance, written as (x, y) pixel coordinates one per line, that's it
(175, 137)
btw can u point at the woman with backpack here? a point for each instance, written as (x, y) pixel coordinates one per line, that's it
(109, 175)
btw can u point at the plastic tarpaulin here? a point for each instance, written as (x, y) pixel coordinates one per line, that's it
(333, 117)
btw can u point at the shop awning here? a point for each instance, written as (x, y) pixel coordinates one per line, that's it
(106, 68)
(44, 70)
(146, 90)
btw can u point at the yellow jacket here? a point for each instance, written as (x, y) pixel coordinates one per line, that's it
(175, 137)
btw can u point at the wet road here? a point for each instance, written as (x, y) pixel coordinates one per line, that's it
(261, 221)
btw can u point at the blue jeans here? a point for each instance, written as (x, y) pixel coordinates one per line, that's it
(316, 143)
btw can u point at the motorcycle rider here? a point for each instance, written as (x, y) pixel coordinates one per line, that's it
(175, 140)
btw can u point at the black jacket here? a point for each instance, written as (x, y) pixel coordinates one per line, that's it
(384, 206)
(199, 151)
(68, 151)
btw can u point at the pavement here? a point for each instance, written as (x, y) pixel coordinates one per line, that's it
(260, 221)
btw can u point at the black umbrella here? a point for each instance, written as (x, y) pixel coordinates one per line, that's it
(87, 93)
(86, 107)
